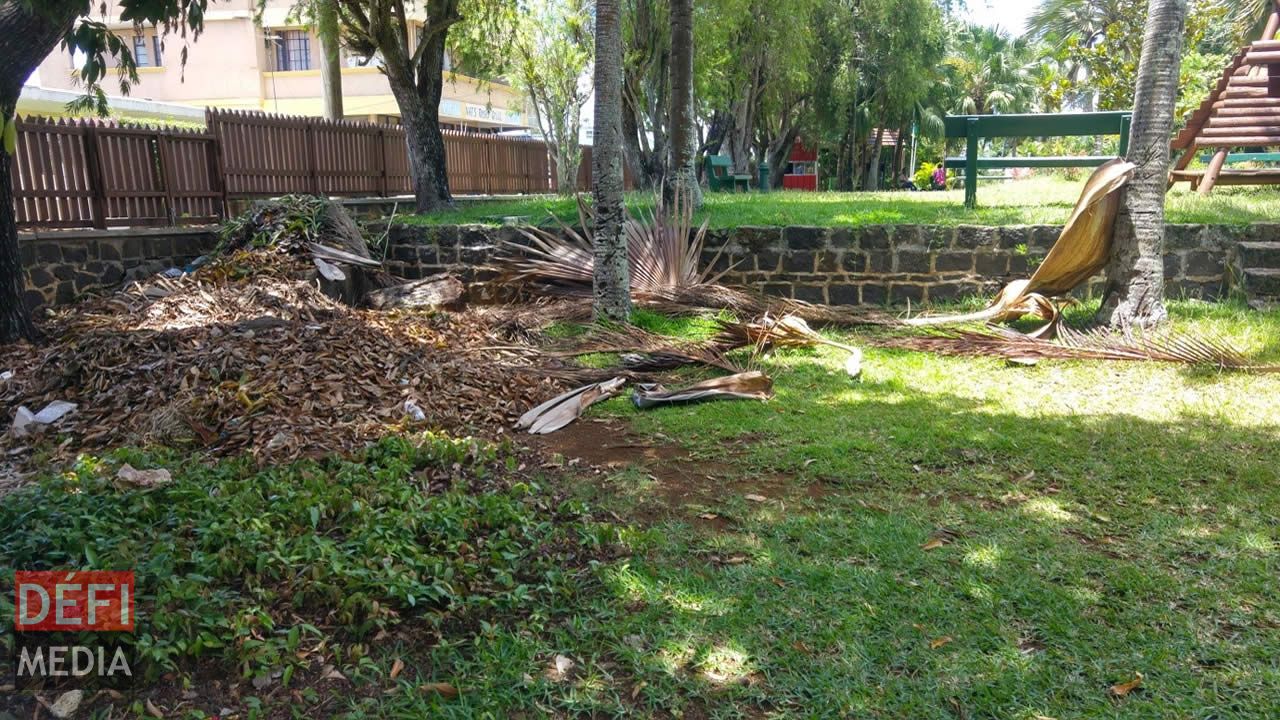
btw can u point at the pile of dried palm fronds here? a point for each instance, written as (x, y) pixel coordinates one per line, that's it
(242, 357)
(303, 225)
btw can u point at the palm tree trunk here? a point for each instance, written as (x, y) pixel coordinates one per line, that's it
(683, 178)
(1135, 273)
(26, 38)
(612, 280)
(330, 61)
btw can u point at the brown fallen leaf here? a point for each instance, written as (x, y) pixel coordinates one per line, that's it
(397, 667)
(944, 640)
(779, 582)
(708, 516)
(1122, 689)
(152, 710)
(442, 689)
(933, 544)
(756, 498)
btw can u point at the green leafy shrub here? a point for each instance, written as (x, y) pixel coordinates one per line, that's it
(243, 563)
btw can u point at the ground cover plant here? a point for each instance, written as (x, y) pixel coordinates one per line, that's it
(947, 537)
(264, 588)
(1038, 200)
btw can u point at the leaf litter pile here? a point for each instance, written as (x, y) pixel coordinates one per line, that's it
(251, 353)
(247, 354)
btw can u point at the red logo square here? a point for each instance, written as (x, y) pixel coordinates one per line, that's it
(75, 600)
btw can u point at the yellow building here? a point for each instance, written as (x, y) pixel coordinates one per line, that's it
(273, 65)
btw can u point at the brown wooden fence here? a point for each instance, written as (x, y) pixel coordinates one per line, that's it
(98, 174)
(264, 155)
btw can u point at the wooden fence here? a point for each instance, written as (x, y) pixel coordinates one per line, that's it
(264, 155)
(89, 173)
(99, 174)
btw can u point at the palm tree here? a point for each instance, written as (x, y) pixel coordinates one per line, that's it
(612, 282)
(990, 71)
(1084, 21)
(683, 180)
(326, 12)
(1135, 273)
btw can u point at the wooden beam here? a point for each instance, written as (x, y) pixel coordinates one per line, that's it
(1268, 176)
(1223, 128)
(1243, 140)
(1211, 172)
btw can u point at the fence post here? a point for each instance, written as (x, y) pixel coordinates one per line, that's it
(971, 163)
(219, 179)
(166, 176)
(384, 184)
(488, 165)
(312, 169)
(97, 184)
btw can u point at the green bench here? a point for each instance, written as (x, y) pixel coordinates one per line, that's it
(974, 127)
(720, 175)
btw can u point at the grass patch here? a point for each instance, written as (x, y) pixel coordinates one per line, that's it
(1037, 200)
(986, 541)
(265, 576)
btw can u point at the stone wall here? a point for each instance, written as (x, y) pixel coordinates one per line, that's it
(60, 266)
(872, 265)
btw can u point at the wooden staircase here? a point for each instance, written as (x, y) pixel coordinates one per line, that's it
(1242, 111)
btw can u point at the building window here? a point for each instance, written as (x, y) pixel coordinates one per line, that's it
(293, 50)
(146, 51)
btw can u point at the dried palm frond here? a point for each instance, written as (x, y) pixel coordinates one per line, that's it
(663, 249)
(643, 351)
(786, 331)
(1080, 252)
(741, 386)
(1097, 344)
(563, 409)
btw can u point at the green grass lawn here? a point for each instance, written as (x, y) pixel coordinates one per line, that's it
(943, 538)
(1037, 200)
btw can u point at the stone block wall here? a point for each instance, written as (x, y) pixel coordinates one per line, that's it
(871, 265)
(61, 266)
(877, 265)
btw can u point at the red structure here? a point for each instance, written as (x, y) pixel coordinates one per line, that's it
(802, 169)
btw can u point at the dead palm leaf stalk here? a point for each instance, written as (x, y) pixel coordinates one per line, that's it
(1080, 252)
(1097, 344)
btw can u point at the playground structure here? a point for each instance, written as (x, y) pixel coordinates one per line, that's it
(1243, 111)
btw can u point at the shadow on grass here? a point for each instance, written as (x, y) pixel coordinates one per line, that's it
(966, 563)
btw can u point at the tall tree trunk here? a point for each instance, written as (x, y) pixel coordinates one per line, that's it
(418, 97)
(612, 274)
(872, 182)
(330, 60)
(27, 36)
(682, 172)
(778, 153)
(1135, 273)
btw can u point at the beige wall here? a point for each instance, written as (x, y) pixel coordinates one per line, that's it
(230, 66)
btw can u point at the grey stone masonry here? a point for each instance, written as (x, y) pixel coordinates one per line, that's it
(60, 266)
(869, 265)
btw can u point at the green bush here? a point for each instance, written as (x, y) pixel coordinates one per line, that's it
(242, 563)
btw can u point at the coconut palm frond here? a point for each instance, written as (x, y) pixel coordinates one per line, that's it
(663, 247)
(643, 351)
(1098, 344)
